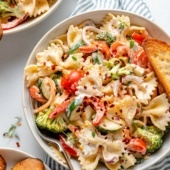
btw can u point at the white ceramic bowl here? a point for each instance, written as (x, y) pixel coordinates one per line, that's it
(13, 156)
(33, 21)
(61, 28)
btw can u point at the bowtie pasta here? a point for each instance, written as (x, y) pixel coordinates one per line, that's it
(96, 88)
(14, 12)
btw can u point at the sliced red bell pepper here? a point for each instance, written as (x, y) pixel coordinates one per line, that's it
(98, 106)
(67, 148)
(59, 109)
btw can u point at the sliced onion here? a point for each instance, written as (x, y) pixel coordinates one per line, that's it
(91, 28)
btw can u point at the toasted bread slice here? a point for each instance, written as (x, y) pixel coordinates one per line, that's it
(29, 164)
(3, 163)
(158, 53)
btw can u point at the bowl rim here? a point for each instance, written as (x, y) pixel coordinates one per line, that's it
(116, 12)
(22, 153)
(33, 21)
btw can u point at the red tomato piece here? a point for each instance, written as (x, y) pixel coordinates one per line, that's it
(137, 145)
(138, 37)
(70, 82)
(67, 148)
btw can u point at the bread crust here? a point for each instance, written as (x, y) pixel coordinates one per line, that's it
(29, 164)
(3, 163)
(158, 53)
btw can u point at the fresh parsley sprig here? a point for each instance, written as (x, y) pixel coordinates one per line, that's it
(12, 130)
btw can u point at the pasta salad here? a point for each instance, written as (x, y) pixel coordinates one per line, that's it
(14, 12)
(95, 88)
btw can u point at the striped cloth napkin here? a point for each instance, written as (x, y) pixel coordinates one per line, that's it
(135, 6)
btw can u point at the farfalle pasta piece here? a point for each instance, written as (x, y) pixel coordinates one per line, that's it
(89, 163)
(112, 151)
(116, 25)
(115, 166)
(105, 24)
(31, 74)
(127, 109)
(128, 160)
(50, 57)
(119, 90)
(74, 35)
(91, 84)
(46, 70)
(108, 99)
(86, 136)
(27, 6)
(41, 6)
(73, 61)
(61, 41)
(158, 111)
(145, 90)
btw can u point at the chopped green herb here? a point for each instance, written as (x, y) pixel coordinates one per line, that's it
(106, 36)
(12, 130)
(74, 58)
(132, 43)
(122, 25)
(93, 134)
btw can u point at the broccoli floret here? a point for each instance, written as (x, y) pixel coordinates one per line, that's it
(55, 125)
(6, 10)
(118, 68)
(152, 136)
(106, 36)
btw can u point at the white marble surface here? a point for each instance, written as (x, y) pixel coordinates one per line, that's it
(14, 52)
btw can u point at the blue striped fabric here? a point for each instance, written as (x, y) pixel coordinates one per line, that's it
(136, 6)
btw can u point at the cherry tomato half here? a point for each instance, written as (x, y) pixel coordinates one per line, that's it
(70, 82)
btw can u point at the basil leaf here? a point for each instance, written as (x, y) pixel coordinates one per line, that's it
(132, 43)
